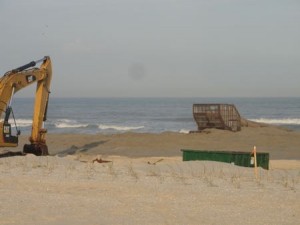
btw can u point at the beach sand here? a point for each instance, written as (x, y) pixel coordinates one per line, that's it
(146, 181)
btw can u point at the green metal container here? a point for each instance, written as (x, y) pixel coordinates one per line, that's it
(237, 158)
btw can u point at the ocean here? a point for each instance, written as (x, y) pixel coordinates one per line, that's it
(147, 115)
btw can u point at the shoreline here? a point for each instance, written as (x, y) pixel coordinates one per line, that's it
(280, 143)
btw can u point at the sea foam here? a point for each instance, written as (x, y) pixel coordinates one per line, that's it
(119, 128)
(287, 121)
(184, 131)
(21, 122)
(65, 123)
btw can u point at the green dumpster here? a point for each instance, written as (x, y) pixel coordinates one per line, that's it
(237, 158)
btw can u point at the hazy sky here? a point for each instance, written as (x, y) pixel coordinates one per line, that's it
(157, 48)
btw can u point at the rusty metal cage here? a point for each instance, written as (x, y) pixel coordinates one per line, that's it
(220, 116)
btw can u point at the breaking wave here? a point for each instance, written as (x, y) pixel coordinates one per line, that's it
(65, 123)
(21, 122)
(119, 128)
(286, 121)
(184, 131)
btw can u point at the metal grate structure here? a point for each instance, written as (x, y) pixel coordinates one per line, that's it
(220, 116)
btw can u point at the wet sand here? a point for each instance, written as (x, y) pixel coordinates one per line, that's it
(280, 143)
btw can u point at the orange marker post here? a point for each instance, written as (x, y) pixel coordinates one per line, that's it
(255, 162)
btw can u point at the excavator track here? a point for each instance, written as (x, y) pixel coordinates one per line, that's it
(10, 154)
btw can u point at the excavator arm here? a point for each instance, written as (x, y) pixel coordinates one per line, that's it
(12, 82)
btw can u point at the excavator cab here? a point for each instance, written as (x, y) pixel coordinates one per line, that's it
(9, 139)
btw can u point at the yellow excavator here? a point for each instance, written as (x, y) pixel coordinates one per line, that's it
(15, 80)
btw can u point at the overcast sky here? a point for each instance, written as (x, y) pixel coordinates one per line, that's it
(157, 48)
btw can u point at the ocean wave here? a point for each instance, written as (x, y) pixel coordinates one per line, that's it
(184, 131)
(61, 123)
(285, 121)
(119, 128)
(66, 123)
(21, 122)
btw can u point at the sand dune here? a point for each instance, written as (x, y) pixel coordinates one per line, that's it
(146, 181)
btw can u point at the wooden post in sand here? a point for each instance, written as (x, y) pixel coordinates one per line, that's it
(255, 162)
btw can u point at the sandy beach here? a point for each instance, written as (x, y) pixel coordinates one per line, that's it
(111, 93)
(146, 181)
